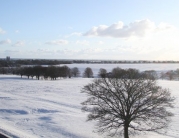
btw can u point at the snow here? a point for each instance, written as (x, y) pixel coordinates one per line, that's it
(52, 109)
(43, 108)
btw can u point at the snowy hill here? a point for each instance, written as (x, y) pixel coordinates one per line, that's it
(52, 109)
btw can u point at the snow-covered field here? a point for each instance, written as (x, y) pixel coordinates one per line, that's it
(52, 109)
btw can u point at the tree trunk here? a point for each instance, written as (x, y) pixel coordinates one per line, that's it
(126, 134)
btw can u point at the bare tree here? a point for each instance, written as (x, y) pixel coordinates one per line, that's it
(102, 73)
(75, 72)
(170, 74)
(127, 106)
(151, 74)
(64, 71)
(27, 71)
(162, 75)
(177, 73)
(88, 73)
(117, 72)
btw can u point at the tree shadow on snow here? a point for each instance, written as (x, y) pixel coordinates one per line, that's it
(12, 111)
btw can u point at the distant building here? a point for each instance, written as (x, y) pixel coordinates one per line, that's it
(8, 58)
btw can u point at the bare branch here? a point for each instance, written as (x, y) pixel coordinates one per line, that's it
(127, 105)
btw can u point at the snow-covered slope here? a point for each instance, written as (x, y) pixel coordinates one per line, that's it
(52, 109)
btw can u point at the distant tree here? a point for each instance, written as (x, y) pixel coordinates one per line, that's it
(88, 73)
(127, 106)
(20, 71)
(75, 72)
(64, 71)
(43, 73)
(69, 72)
(32, 73)
(170, 74)
(37, 71)
(151, 74)
(117, 72)
(13, 71)
(162, 75)
(3, 70)
(102, 73)
(126, 73)
(52, 72)
(28, 71)
(177, 73)
(132, 74)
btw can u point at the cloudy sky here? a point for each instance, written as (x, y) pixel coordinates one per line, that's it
(90, 29)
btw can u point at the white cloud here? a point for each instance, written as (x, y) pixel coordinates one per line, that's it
(2, 31)
(45, 51)
(19, 43)
(7, 41)
(93, 50)
(83, 42)
(137, 28)
(74, 34)
(57, 42)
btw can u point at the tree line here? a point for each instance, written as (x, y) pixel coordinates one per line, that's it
(127, 73)
(37, 62)
(54, 72)
(18, 62)
(121, 62)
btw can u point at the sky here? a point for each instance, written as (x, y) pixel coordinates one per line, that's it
(90, 29)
